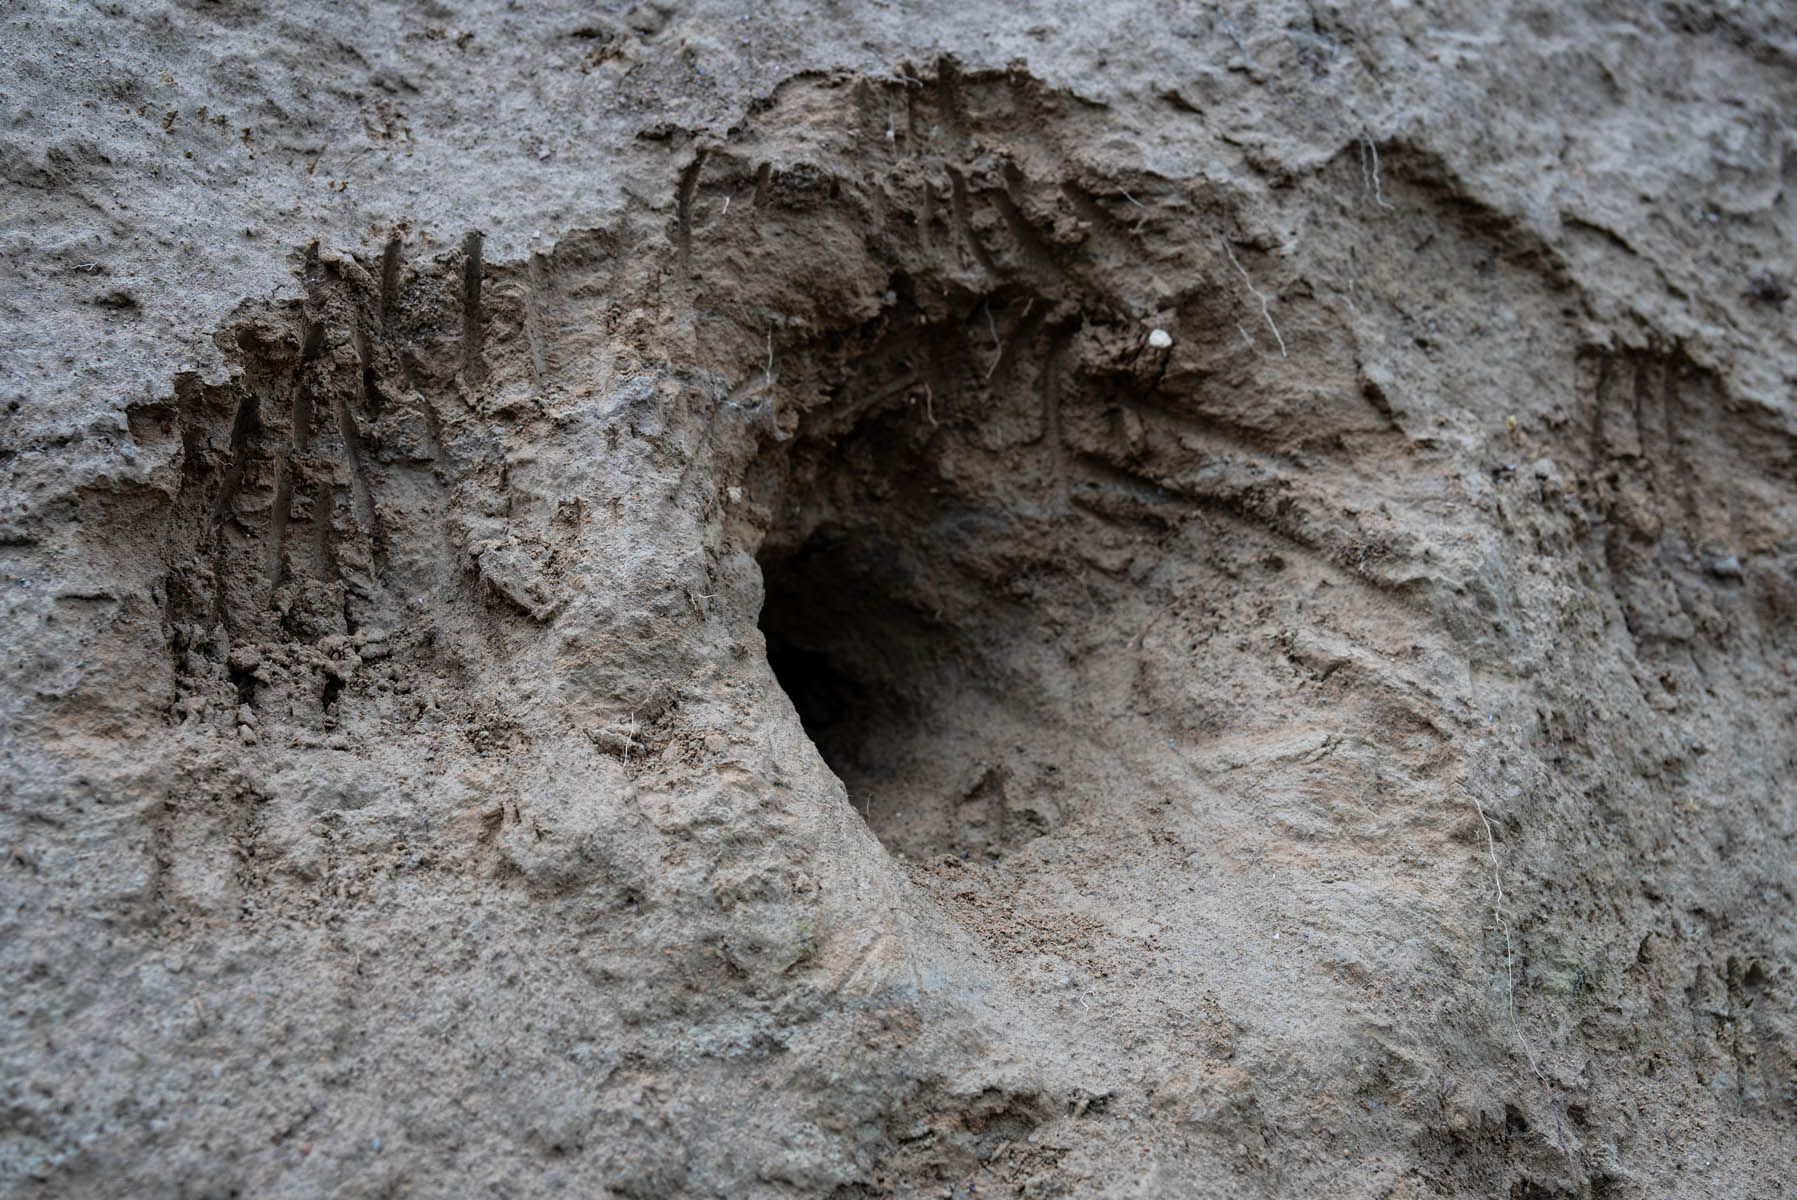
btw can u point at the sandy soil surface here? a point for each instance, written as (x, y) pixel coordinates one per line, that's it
(862, 600)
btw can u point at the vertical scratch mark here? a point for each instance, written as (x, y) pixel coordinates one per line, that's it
(683, 207)
(371, 386)
(1021, 341)
(1054, 377)
(300, 436)
(1031, 248)
(474, 366)
(391, 263)
(367, 519)
(243, 427)
(948, 89)
(322, 529)
(299, 442)
(537, 281)
(277, 523)
(963, 221)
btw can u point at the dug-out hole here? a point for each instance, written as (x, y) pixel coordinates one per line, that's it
(891, 698)
(889, 626)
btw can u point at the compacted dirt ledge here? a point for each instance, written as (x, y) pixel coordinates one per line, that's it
(1047, 601)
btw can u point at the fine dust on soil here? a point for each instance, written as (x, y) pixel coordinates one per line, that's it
(954, 652)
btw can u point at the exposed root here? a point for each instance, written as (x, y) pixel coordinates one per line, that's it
(1369, 170)
(1265, 311)
(1503, 922)
(1497, 912)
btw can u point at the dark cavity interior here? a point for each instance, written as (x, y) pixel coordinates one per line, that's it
(912, 584)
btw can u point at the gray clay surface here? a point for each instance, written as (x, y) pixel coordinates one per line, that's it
(1104, 599)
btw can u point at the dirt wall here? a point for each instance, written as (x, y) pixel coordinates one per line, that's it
(1038, 601)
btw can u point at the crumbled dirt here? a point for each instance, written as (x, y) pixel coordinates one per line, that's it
(1136, 606)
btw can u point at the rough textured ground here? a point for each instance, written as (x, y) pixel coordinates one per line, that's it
(772, 600)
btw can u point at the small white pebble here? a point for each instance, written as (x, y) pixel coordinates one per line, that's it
(735, 494)
(1160, 339)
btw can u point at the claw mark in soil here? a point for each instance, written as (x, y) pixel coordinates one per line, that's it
(474, 366)
(392, 261)
(683, 207)
(964, 222)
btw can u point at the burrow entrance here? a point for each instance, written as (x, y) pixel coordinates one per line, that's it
(993, 387)
(923, 557)
(910, 678)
